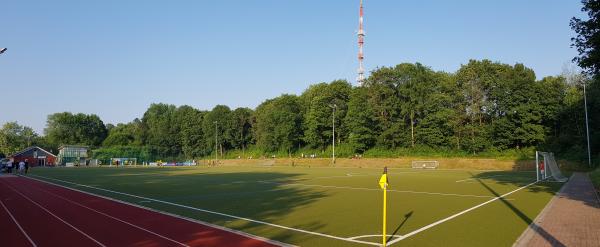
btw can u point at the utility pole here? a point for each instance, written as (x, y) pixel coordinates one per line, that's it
(587, 129)
(360, 79)
(334, 106)
(216, 144)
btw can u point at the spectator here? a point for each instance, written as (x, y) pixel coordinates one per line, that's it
(21, 168)
(9, 166)
(26, 166)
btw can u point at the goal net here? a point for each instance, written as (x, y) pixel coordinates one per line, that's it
(546, 167)
(123, 162)
(424, 164)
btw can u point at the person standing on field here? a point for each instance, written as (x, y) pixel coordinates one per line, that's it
(21, 168)
(26, 166)
(9, 166)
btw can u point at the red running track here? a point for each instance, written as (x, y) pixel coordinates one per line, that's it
(34, 213)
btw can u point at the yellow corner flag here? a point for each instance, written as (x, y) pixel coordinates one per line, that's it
(383, 183)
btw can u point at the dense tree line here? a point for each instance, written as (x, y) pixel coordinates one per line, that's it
(484, 106)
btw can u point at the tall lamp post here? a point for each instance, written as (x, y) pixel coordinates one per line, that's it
(333, 106)
(216, 144)
(587, 129)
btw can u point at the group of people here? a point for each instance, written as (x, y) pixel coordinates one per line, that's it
(19, 168)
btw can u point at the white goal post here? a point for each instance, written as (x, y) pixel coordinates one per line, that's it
(547, 168)
(424, 164)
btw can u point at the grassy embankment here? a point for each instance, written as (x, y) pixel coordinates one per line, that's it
(595, 176)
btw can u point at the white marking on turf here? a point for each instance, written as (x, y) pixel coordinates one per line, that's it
(373, 189)
(48, 211)
(375, 235)
(456, 215)
(501, 175)
(18, 225)
(218, 213)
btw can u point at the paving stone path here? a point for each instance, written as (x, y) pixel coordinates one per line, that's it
(572, 218)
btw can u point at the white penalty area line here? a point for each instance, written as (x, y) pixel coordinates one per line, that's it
(373, 189)
(463, 180)
(216, 213)
(456, 215)
(375, 235)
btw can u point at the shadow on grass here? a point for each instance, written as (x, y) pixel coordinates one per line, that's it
(406, 217)
(539, 230)
(228, 192)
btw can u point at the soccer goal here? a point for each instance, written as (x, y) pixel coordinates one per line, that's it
(123, 162)
(425, 164)
(546, 167)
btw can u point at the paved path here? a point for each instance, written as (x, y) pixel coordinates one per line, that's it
(572, 218)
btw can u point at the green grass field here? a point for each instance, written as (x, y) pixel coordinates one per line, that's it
(331, 206)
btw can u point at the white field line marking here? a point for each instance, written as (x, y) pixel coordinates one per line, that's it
(18, 225)
(167, 213)
(217, 213)
(373, 189)
(48, 211)
(378, 168)
(376, 235)
(456, 215)
(500, 175)
(112, 217)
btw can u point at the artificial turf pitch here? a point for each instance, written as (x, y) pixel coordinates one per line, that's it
(330, 206)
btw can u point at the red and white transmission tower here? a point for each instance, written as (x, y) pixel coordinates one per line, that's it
(361, 41)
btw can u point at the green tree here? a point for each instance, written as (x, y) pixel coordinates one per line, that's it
(360, 121)
(587, 40)
(160, 132)
(129, 134)
(67, 128)
(241, 128)
(318, 114)
(278, 125)
(15, 137)
(191, 135)
(384, 100)
(220, 114)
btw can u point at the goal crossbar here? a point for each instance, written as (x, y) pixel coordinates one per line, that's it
(424, 164)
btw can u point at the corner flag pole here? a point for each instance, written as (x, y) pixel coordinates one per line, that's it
(383, 183)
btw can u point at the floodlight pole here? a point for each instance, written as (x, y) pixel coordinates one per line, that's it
(587, 129)
(216, 144)
(334, 106)
(537, 169)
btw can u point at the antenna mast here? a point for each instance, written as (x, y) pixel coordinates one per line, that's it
(361, 41)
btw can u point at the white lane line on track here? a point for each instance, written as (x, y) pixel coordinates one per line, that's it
(456, 215)
(166, 213)
(48, 211)
(218, 213)
(18, 225)
(112, 217)
(373, 189)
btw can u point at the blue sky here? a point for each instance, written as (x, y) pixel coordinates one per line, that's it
(115, 58)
